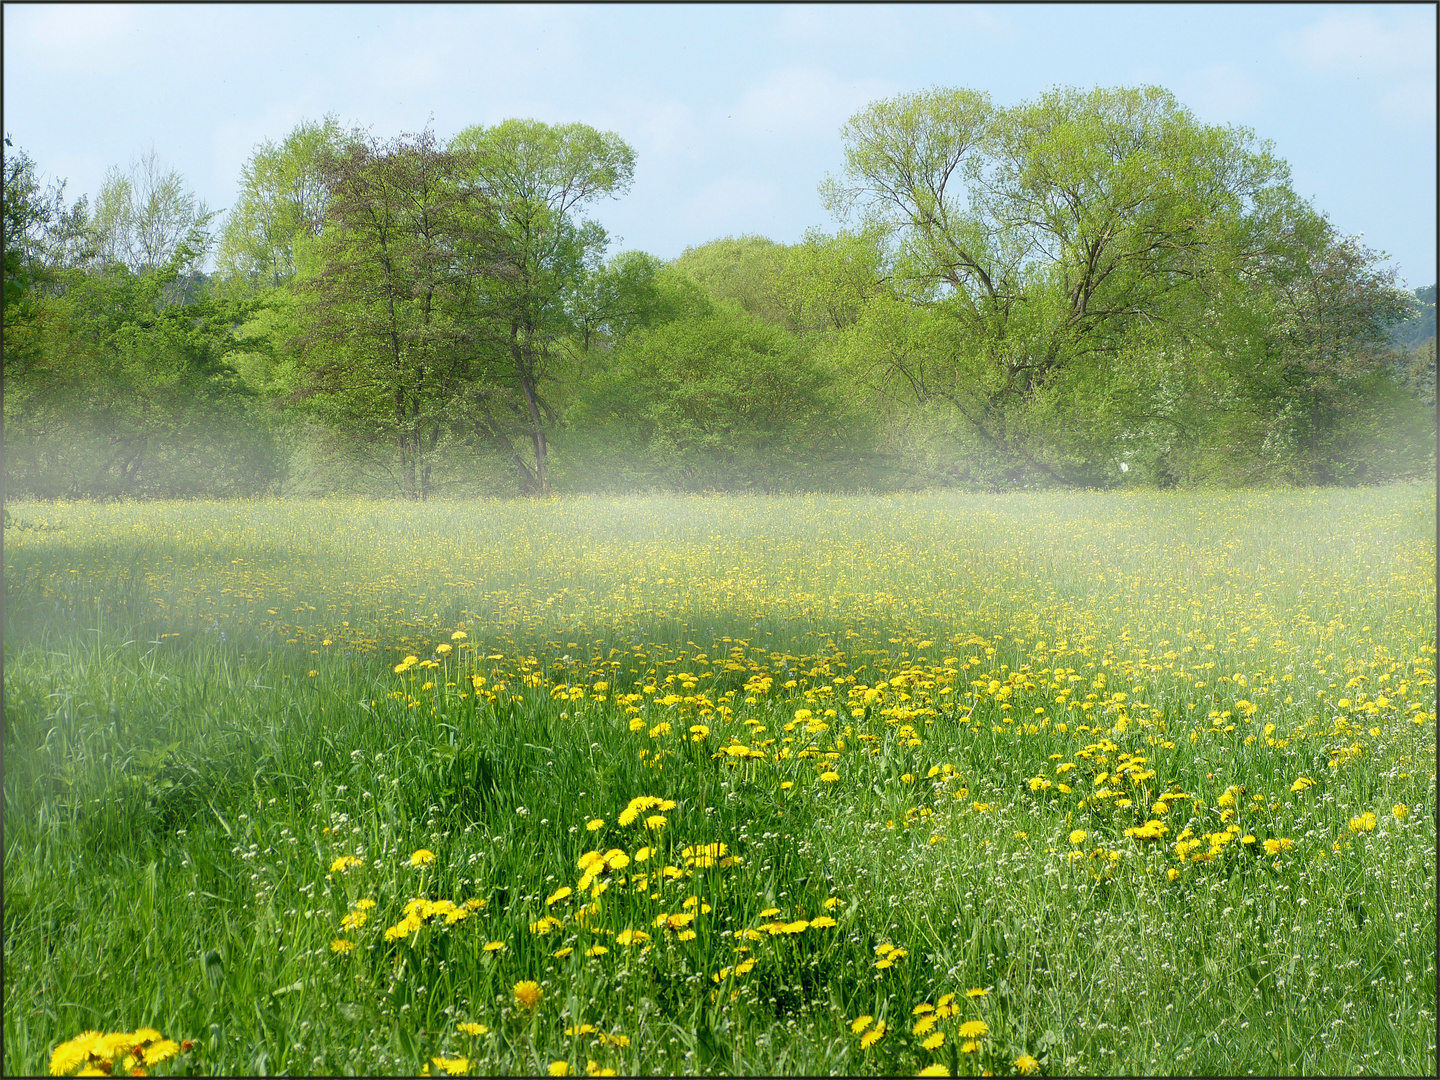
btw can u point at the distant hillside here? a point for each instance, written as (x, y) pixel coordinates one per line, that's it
(1420, 326)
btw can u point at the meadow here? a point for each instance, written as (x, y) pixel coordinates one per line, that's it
(1100, 783)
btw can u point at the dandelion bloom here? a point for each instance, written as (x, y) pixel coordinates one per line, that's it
(974, 1029)
(559, 1068)
(924, 1024)
(344, 862)
(934, 1070)
(423, 857)
(1078, 836)
(978, 992)
(860, 1023)
(822, 922)
(560, 954)
(341, 945)
(595, 823)
(596, 950)
(830, 777)
(452, 1066)
(527, 993)
(1364, 823)
(1027, 1064)
(353, 921)
(1401, 811)
(874, 1035)
(494, 946)
(558, 895)
(473, 1029)
(934, 1042)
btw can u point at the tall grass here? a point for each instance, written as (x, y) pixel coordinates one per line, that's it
(1048, 747)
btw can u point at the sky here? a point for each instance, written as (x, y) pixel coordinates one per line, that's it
(734, 112)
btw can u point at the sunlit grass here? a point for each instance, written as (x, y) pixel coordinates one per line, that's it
(1051, 750)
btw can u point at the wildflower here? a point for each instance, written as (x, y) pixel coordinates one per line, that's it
(935, 1041)
(1274, 847)
(832, 903)
(458, 635)
(1301, 784)
(822, 922)
(452, 1066)
(595, 823)
(1401, 811)
(341, 945)
(874, 1035)
(344, 862)
(560, 954)
(558, 895)
(934, 1070)
(596, 950)
(1078, 836)
(655, 821)
(559, 1068)
(973, 1029)
(860, 1023)
(354, 920)
(527, 993)
(470, 1028)
(494, 946)
(1364, 823)
(423, 857)
(366, 905)
(924, 1024)
(1027, 1064)
(830, 777)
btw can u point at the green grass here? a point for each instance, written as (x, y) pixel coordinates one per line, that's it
(202, 714)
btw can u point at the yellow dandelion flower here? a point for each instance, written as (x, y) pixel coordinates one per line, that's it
(1078, 836)
(935, 1041)
(594, 824)
(494, 946)
(470, 1028)
(559, 1068)
(934, 1070)
(527, 993)
(1027, 1064)
(978, 992)
(451, 1066)
(1401, 811)
(558, 895)
(423, 857)
(873, 1036)
(973, 1029)
(860, 1023)
(830, 777)
(341, 945)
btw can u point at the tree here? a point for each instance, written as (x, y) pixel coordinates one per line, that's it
(282, 199)
(535, 179)
(1048, 234)
(384, 357)
(718, 399)
(145, 214)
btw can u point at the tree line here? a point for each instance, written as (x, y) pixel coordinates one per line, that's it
(1090, 288)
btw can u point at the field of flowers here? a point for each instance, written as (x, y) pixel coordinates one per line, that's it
(928, 784)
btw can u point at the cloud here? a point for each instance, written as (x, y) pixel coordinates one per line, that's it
(69, 31)
(1222, 93)
(1360, 43)
(803, 105)
(733, 205)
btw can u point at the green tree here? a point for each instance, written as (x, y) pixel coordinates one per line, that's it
(383, 358)
(1048, 234)
(535, 179)
(282, 200)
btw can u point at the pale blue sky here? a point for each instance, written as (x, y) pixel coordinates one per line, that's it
(734, 111)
